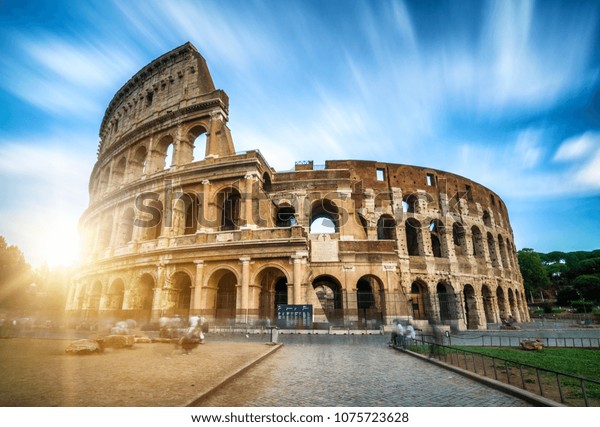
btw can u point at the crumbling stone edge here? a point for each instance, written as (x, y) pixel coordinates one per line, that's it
(233, 376)
(498, 385)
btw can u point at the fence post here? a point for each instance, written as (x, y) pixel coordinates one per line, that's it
(562, 400)
(584, 392)
(537, 371)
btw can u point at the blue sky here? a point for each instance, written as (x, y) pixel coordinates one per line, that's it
(505, 93)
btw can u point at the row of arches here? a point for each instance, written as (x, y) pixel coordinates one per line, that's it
(150, 158)
(442, 303)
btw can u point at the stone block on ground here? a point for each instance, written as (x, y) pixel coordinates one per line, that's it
(532, 345)
(84, 347)
(142, 340)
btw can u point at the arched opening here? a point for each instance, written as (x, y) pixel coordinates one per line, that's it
(165, 151)
(477, 240)
(329, 294)
(118, 172)
(471, 313)
(512, 303)
(138, 163)
(197, 137)
(169, 156)
(272, 283)
(458, 237)
(488, 304)
(492, 250)
(501, 303)
(180, 294)
(267, 182)
(487, 219)
(126, 227)
(103, 182)
(324, 217)
(436, 228)
(141, 297)
(414, 242)
(228, 206)
(150, 220)
(370, 302)
(105, 232)
(225, 306)
(502, 249)
(93, 298)
(286, 216)
(186, 213)
(418, 298)
(410, 204)
(447, 300)
(114, 298)
(386, 228)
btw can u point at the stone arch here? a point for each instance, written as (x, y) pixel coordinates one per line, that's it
(436, 234)
(414, 237)
(500, 298)
(104, 181)
(150, 220)
(386, 228)
(272, 284)
(419, 298)
(228, 202)
(141, 297)
(502, 250)
(487, 219)
(410, 203)
(114, 297)
(197, 136)
(488, 304)
(186, 212)
(471, 312)
(329, 298)
(512, 303)
(477, 240)
(492, 250)
(165, 153)
(370, 301)
(118, 172)
(364, 226)
(447, 302)
(94, 294)
(267, 185)
(222, 294)
(105, 232)
(326, 211)
(178, 295)
(137, 163)
(285, 216)
(459, 239)
(126, 227)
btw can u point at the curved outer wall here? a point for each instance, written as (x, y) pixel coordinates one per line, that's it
(223, 235)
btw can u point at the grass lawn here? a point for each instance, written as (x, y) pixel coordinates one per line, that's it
(575, 361)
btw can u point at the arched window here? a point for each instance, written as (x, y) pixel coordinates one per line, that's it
(286, 216)
(487, 219)
(324, 217)
(386, 228)
(414, 240)
(197, 137)
(126, 227)
(138, 163)
(492, 250)
(435, 231)
(118, 172)
(266, 182)
(477, 239)
(228, 202)
(458, 237)
(410, 204)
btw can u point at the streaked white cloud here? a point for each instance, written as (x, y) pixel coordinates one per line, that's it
(577, 147)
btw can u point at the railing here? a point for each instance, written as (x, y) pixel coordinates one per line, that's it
(568, 389)
(515, 341)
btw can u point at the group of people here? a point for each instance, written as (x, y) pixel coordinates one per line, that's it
(400, 336)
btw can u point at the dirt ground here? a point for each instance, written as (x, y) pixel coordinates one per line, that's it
(38, 373)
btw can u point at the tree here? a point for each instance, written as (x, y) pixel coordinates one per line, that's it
(588, 286)
(532, 270)
(15, 277)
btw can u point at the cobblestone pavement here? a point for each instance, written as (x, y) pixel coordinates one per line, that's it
(356, 371)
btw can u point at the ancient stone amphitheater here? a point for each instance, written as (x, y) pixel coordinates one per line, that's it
(171, 230)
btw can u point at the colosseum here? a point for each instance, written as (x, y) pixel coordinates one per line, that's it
(181, 224)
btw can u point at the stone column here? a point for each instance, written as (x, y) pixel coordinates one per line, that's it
(196, 303)
(297, 279)
(245, 286)
(205, 221)
(248, 199)
(156, 299)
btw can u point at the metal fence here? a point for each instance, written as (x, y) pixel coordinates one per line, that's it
(568, 389)
(489, 340)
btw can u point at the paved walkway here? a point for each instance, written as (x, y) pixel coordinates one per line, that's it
(356, 371)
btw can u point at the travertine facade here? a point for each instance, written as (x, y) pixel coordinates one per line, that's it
(172, 230)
